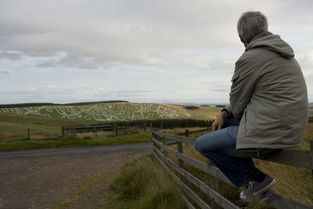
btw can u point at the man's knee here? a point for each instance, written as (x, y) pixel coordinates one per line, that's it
(199, 146)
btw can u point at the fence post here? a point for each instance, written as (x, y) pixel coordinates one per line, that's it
(115, 129)
(186, 133)
(311, 146)
(62, 131)
(28, 134)
(180, 149)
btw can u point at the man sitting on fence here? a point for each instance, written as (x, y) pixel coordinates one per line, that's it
(268, 108)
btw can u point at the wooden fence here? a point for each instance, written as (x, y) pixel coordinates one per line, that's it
(298, 158)
(94, 128)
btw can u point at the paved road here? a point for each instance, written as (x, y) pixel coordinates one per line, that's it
(72, 150)
(37, 179)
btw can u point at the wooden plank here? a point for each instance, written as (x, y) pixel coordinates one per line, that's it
(188, 204)
(196, 198)
(297, 158)
(278, 202)
(311, 147)
(170, 143)
(28, 134)
(187, 140)
(70, 128)
(273, 199)
(194, 131)
(211, 170)
(200, 130)
(218, 198)
(186, 133)
(180, 149)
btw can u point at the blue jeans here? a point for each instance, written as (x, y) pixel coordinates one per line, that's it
(220, 147)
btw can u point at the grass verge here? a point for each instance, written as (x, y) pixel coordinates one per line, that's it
(74, 141)
(143, 184)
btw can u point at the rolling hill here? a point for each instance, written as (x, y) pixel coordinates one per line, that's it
(47, 120)
(121, 111)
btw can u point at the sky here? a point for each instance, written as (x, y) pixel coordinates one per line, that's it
(165, 51)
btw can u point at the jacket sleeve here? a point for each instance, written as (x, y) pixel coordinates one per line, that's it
(242, 88)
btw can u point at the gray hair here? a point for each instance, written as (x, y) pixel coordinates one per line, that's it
(250, 24)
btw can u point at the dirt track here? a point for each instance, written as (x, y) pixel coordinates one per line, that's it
(41, 178)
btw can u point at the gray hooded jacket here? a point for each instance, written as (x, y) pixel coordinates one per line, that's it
(269, 95)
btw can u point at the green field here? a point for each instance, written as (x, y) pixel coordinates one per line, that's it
(46, 121)
(74, 141)
(122, 111)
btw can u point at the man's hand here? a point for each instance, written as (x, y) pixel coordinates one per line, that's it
(219, 121)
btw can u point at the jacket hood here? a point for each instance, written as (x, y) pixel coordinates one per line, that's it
(272, 43)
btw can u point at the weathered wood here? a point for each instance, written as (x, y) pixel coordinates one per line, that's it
(187, 140)
(311, 147)
(195, 197)
(28, 134)
(211, 170)
(115, 130)
(62, 132)
(188, 204)
(180, 149)
(279, 202)
(273, 198)
(89, 128)
(298, 158)
(186, 133)
(200, 130)
(170, 142)
(193, 132)
(218, 198)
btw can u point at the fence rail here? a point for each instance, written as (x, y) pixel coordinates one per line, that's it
(298, 158)
(94, 128)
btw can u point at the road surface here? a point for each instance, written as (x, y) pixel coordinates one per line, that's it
(38, 179)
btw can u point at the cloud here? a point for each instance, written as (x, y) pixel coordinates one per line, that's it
(115, 31)
(67, 60)
(11, 55)
(306, 61)
(149, 33)
(6, 71)
(176, 49)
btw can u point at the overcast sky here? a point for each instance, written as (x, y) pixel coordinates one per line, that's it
(173, 51)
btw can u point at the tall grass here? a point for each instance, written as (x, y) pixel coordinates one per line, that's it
(143, 185)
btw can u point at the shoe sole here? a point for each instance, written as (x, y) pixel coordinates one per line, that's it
(243, 197)
(265, 189)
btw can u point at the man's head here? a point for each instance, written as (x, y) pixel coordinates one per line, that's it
(250, 24)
